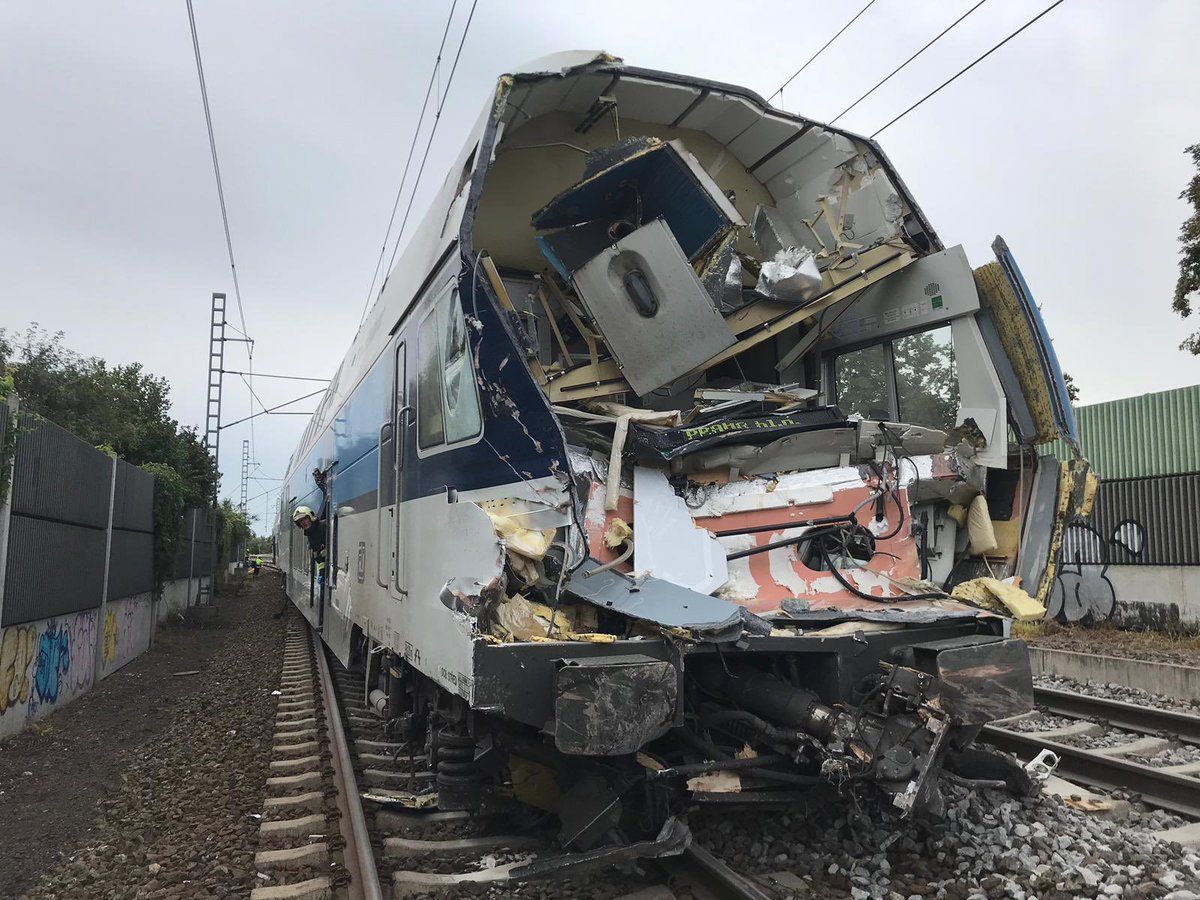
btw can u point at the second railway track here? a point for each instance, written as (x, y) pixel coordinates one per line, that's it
(1171, 787)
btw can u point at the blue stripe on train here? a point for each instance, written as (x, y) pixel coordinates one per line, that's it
(521, 438)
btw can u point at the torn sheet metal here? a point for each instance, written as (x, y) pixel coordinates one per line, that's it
(909, 612)
(771, 232)
(796, 452)
(794, 489)
(791, 276)
(471, 596)
(671, 443)
(605, 706)
(666, 543)
(651, 308)
(662, 603)
(525, 546)
(722, 275)
(638, 181)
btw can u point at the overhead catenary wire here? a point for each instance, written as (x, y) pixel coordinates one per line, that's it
(966, 68)
(904, 64)
(212, 145)
(434, 78)
(273, 409)
(285, 377)
(437, 116)
(237, 288)
(824, 47)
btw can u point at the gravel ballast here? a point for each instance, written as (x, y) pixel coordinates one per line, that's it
(184, 822)
(990, 844)
(1111, 691)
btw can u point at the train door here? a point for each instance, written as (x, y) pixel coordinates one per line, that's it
(323, 582)
(390, 558)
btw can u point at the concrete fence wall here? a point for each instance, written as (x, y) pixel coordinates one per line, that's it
(77, 598)
(1156, 597)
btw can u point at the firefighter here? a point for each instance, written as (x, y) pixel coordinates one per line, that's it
(315, 527)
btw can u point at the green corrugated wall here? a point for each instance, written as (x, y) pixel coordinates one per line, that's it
(1152, 434)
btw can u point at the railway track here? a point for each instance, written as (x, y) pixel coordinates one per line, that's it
(352, 814)
(1172, 787)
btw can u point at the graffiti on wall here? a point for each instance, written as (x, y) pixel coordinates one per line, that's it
(17, 649)
(53, 662)
(126, 632)
(108, 649)
(43, 664)
(1082, 591)
(83, 640)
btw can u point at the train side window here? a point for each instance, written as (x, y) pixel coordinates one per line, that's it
(926, 378)
(862, 382)
(431, 429)
(909, 379)
(458, 379)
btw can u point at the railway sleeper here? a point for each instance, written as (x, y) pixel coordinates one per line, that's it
(1145, 746)
(292, 805)
(312, 889)
(283, 785)
(401, 848)
(1075, 729)
(292, 857)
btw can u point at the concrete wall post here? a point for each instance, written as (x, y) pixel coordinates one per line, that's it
(98, 656)
(8, 408)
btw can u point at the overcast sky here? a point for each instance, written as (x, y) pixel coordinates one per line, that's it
(1068, 141)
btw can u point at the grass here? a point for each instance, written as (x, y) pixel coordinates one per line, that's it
(1177, 638)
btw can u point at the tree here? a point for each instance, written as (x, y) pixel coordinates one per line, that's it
(233, 529)
(1187, 288)
(119, 408)
(1072, 390)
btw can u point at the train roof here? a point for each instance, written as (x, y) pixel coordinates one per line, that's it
(768, 141)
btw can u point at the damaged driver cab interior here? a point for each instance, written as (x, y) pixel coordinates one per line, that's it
(768, 491)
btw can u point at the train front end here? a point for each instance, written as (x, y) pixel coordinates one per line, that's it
(797, 499)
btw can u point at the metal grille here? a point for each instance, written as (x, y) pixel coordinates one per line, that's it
(1137, 437)
(131, 566)
(1168, 508)
(59, 477)
(133, 499)
(53, 569)
(194, 558)
(60, 516)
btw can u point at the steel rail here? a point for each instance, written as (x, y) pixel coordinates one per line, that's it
(1118, 713)
(1166, 790)
(358, 856)
(704, 870)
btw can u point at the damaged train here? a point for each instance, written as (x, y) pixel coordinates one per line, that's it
(679, 462)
